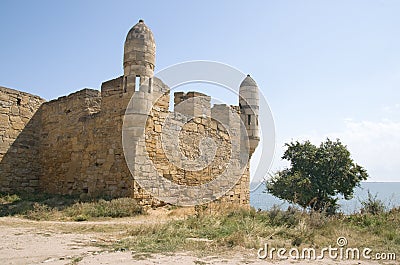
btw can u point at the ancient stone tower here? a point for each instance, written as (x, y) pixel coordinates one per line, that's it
(75, 145)
(249, 106)
(139, 55)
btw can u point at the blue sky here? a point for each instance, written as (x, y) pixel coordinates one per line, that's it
(327, 68)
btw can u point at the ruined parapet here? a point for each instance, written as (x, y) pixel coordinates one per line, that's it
(19, 141)
(112, 87)
(192, 104)
(74, 106)
(224, 114)
(113, 97)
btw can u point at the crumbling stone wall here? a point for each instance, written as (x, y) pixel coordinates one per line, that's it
(19, 141)
(188, 142)
(84, 156)
(72, 145)
(207, 123)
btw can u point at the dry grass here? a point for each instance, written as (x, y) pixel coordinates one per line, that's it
(66, 208)
(244, 228)
(208, 230)
(7, 198)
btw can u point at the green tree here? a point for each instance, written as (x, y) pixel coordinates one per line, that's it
(317, 175)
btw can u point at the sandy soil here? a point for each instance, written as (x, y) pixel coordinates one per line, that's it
(46, 242)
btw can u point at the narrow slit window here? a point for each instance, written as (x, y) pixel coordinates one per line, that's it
(150, 84)
(137, 83)
(248, 119)
(125, 83)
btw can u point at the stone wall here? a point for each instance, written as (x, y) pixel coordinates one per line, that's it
(65, 136)
(84, 156)
(19, 141)
(81, 144)
(73, 145)
(200, 122)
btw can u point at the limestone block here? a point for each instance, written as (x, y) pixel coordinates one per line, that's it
(17, 125)
(4, 121)
(14, 110)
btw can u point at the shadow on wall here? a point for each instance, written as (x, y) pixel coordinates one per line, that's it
(20, 163)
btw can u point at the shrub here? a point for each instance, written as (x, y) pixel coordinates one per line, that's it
(122, 207)
(287, 218)
(40, 212)
(372, 205)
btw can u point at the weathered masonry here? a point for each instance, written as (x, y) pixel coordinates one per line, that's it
(73, 145)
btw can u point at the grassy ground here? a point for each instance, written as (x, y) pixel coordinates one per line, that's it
(208, 231)
(66, 208)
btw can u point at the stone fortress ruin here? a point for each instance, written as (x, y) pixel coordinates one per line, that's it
(74, 145)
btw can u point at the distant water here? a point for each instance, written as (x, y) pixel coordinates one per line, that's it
(388, 192)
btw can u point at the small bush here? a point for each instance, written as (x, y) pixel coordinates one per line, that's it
(367, 220)
(288, 218)
(372, 205)
(41, 212)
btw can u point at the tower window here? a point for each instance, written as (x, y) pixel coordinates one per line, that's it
(249, 119)
(18, 101)
(125, 83)
(150, 84)
(137, 83)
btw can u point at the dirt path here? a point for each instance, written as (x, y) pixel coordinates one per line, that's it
(32, 246)
(29, 242)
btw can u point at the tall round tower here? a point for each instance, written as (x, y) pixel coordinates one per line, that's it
(139, 55)
(249, 108)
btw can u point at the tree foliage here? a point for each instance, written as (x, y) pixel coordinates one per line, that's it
(317, 175)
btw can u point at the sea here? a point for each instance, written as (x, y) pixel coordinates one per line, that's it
(387, 192)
